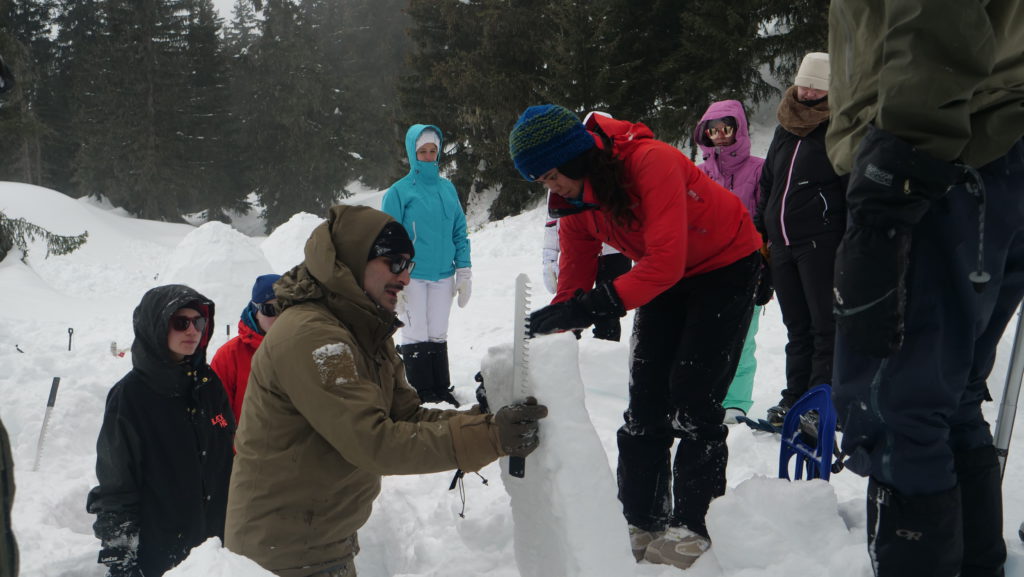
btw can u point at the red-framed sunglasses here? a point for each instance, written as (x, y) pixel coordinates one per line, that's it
(725, 130)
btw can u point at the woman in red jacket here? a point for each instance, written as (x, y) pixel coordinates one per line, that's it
(695, 249)
(233, 358)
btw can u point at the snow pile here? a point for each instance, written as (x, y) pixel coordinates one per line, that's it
(788, 528)
(211, 559)
(284, 248)
(199, 262)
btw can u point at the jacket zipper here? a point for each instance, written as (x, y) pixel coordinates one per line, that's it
(785, 193)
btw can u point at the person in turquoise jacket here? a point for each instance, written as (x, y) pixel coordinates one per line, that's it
(426, 204)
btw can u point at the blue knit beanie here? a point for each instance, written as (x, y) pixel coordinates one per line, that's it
(545, 137)
(263, 288)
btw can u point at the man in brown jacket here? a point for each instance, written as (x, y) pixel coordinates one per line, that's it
(928, 114)
(328, 410)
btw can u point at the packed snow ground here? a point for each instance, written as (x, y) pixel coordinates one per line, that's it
(762, 527)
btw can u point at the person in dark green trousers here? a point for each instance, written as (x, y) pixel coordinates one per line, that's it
(8, 546)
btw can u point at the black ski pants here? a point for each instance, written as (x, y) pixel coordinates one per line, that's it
(686, 345)
(913, 421)
(802, 275)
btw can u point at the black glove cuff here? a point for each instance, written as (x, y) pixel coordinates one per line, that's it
(603, 301)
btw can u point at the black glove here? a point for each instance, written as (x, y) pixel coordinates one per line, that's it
(608, 328)
(118, 532)
(891, 188)
(579, 312)
(121, 561)
(764, 291)
(517, 427)
(481, 393)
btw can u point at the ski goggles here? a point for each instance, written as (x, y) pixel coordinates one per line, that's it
(398, 264)
(267, 309)
(181, 324)
(725, 131)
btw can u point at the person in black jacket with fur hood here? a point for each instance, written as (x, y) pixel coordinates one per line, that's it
(802, 215)
(163, 458)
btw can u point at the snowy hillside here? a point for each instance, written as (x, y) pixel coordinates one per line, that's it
(762, 527)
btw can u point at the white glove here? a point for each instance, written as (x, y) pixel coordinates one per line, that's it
(550, 264)
(463, 285)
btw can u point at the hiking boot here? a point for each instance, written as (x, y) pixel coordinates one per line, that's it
(446, 396)
(678, 547)
(777, 415)
(639, 539)
(732, 415)
(809, 424)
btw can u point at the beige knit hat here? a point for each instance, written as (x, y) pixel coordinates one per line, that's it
(813, 71)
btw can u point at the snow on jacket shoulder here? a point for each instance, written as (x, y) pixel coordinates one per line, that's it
(428, 207)
(232, 363)
(328, 412)
(686, 223)
(731, 166)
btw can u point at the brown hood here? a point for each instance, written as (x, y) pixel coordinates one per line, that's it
(332, 272)
(336, 255)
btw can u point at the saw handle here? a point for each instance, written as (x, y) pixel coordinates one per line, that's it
(517, 467)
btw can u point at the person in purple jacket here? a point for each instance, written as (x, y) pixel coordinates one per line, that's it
(725, 146)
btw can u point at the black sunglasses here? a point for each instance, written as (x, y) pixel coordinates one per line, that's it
(181, 324)
(397, 264)
(268, 309)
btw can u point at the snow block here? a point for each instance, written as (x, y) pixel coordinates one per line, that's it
(776, 523)
(568, 520)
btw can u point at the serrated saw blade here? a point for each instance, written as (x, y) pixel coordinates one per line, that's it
(521, 339)
(520, 359)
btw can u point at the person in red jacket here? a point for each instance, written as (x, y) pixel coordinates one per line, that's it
(697, 263)
(232, 360)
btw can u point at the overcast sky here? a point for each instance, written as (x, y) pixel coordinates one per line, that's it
(224, 7)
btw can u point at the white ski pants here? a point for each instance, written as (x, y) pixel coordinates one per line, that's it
(427, 307)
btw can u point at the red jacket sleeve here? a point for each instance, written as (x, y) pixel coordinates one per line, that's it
(224, 364)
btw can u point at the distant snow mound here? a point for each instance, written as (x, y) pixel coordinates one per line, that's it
(56, 212)
(284, 247)
(219, 262)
